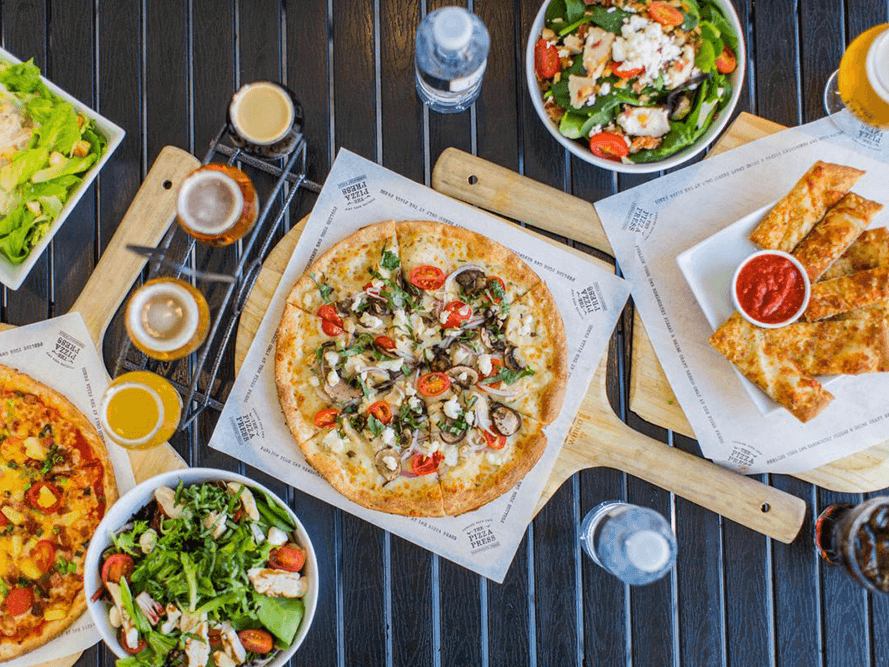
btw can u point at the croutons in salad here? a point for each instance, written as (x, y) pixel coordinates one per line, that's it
(208, 574)
(637, 81)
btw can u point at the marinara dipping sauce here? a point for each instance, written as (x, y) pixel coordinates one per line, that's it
(770, 288)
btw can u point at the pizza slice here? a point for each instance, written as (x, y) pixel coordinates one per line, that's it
(354, 282)
(870, 250)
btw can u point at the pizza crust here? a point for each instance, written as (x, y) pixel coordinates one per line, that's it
(13, 379)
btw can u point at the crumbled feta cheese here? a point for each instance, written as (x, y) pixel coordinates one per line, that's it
(333, 442)
(563, 53)
(470, 417)
(370, 321)
(484, 364)
(413, 401)
(389, 436)
(452, 408)
(332, 358)
(353, 363)
(605, 88)
(333, 378)
(458, 354)
(400, 319)
(444, 316)
(390, 462)
(418, 325)
(645, 121)
(391, 364)
(643, 43)
(573, 44)
(451, 455)
(432, 446)
(356, 303)
(314, 381)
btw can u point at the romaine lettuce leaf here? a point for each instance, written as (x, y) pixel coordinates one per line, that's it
(73, 165)
(24, 165)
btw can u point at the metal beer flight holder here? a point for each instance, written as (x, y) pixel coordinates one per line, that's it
(192, 377)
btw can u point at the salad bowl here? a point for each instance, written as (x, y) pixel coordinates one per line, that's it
(122, 512)
(579, 147)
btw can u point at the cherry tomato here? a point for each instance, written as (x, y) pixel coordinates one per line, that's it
(141, 646)
(3, 520)
(609, 146)
(45, 555)
(34, 497)
(19, 601)
(116, 567)
(665, 14)
(256, 641)
(546, 59)
(433, 384)
(628, 73)
(326, 417)
(427, 277)
(492, 284)
(494, 441)
(458, 312)
(331, 323)
(496, 365)
(287, 558)
(425, 465)
(726, 62)
(381, 410)
(384, 342)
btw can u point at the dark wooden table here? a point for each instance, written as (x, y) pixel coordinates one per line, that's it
(164, 70)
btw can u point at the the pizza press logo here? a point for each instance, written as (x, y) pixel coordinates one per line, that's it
(65, 350)
(246, 427)
(481, 537)
(356, 192)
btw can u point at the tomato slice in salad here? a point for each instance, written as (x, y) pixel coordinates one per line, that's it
(546, 59)
(627, 73)
(381, 410)
(433, 384)
(665, 14)
(609, 146)
(425, 465)
(19, 601)
(727, 61)
(458, 312)
(326, 417)
(331, 323)
(427, 277)
(256, 641)
(287, 558)
(494, 441)
(116, 567)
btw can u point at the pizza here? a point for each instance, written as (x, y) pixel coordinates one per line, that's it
(55, 483)
(417, 365)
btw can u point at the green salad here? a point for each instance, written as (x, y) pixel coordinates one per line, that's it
(208, 574)
(636, 81)
(45, 147)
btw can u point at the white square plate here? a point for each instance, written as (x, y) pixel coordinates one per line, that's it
(708, 268)
(13, 275)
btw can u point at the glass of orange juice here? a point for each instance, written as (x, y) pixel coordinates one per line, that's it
(140, 409)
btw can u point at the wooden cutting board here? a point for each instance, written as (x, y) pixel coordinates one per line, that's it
(505, 192)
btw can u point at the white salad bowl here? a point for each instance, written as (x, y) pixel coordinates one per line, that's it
(583, 152)
(123, 510)
(13, 275)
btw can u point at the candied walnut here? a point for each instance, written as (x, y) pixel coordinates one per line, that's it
(553, 110)
(644, 144)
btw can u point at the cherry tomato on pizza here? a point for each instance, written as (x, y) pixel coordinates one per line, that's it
(325, 418)
(425, 465)
(496, 289)
(496, 365)
(287, 558)
(116, 567)
(45, 555)
(494, 441)
(458, 312)
(45, 497)
(433, 384)
(256, 641)
(427, 277)
(382, 411)
(384, 342)
(331, 322)
(19, 601)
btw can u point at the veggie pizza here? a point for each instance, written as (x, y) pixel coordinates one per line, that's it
(56, 481)
(417, 365)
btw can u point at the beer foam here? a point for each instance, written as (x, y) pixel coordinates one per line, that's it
(262, 112)
(163, 316)
(209, 202)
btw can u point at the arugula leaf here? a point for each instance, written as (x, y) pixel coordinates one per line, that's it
(390, 260)
(280, 616)
(691, 13)
(612, 21)
(508, 376)
(126, 597)
(716, 17)
(375, 426)
(706, 58)
(555, 14)
(323, 289)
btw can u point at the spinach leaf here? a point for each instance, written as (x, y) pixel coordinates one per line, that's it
(555, 14)
(713, 14)
(574, 9)
(607, 20)
(706, 58)
(692, 14)
(571, 125)
(390, 260)
(323, 289)
(375, 426)
(508, 376)
(280, 616)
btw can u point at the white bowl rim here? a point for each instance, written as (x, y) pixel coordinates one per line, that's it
(679, 158)
(806, 282)
(98, 609)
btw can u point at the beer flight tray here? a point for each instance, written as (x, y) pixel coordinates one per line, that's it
(195, 376)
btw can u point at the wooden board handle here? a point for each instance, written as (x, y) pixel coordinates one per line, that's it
(145, 223)
(495, 188)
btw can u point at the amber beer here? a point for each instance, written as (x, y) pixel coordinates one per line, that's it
(857, 540)
(265, 119)
(217, 204)
(863, 78)
(167, 318)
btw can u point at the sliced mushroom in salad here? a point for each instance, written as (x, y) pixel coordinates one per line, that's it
(636, 81)
(206, 574)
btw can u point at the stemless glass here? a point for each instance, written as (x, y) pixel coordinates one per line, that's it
(140, 409)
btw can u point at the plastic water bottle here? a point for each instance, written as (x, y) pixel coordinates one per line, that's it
(452, 52)
(633, 543)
